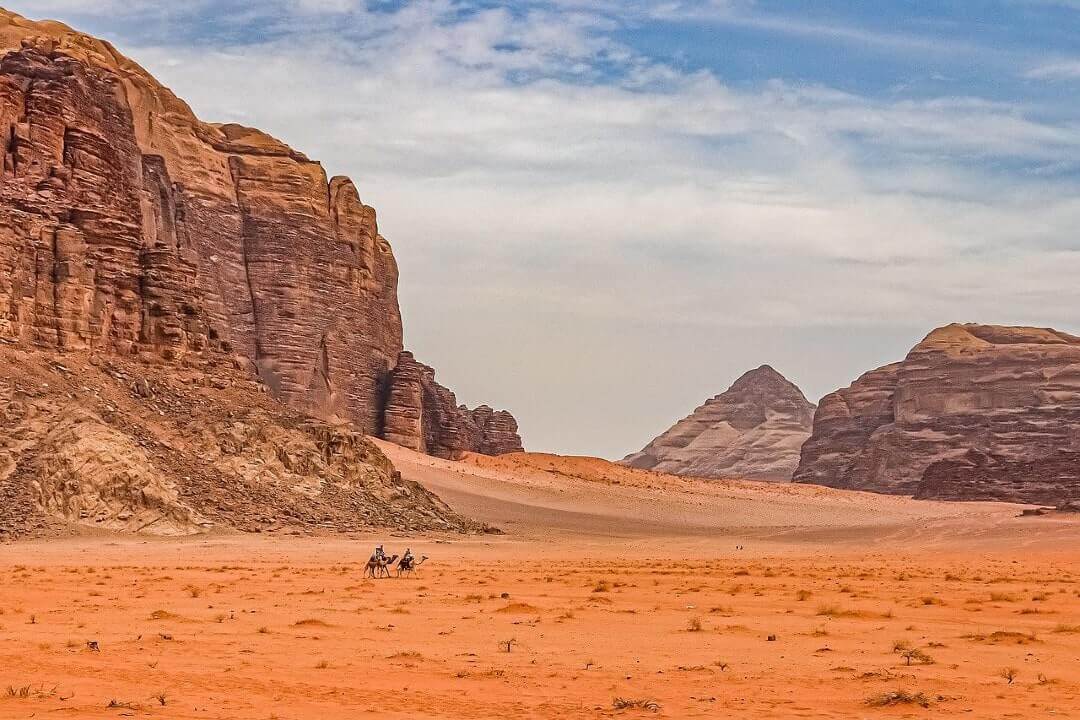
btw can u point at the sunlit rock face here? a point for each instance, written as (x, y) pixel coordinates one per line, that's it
(129, 226)
(753, 430)
(973, 412)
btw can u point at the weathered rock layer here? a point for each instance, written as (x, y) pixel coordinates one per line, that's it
(974, 412)
(754, 430)
(106, 442)
(128, 226)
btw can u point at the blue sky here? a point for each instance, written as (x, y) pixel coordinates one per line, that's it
(606, 211)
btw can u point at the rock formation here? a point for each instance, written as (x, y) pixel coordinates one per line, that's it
(103, 441)
(128, 226)
(754, 430)
(422, 415)
(974, 412)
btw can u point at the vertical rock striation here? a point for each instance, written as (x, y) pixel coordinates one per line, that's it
(128, 226)
(424, 416)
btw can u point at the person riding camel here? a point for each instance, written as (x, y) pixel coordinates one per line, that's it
(379, 555)
(406, 560)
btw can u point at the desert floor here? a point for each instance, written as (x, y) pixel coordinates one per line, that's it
(609, 585)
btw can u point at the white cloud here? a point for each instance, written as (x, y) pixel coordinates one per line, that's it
(1061, 70)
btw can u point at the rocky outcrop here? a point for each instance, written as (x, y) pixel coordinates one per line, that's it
(851, 437)
(753, 430)
(423, 415)
(128, 226)
(973, 412)
(106, 442)
(977, 475)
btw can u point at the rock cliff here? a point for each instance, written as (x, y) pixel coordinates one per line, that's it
(130, 227)
(974, 412)
(423, 415)
(753, 430)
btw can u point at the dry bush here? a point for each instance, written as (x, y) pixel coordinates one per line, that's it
(694, 625)
(803, 595)
(621, 703)
(916, 656)
(898, 697)
(1009, 674)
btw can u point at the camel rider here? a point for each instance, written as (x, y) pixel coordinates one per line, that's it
(380, 555)
(407, 559)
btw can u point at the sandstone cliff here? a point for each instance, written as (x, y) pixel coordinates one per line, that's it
(974, 412)
(754, 430)
(128, 226)
(448, 429)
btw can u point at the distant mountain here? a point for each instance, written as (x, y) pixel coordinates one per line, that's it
(753, 430)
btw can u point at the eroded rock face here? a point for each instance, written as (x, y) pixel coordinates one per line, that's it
(753, 430)
(973, 412)
(423, 415)
(102, 441)
(128, 226)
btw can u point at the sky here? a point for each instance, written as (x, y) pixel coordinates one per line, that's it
(605, 211)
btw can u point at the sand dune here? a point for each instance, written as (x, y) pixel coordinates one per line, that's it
(547, 498)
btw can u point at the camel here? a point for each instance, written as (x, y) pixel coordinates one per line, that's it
(379, 568)
(404, 570)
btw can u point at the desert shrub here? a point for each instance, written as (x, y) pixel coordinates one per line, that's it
(898, 697)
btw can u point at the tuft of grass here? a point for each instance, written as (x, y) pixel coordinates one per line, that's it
(803, 595)
(898, 697)
(1003, 636)
(694, 625)
(621, 703)
(835, 611)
